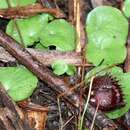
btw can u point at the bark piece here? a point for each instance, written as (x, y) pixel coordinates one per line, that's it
(37, 120)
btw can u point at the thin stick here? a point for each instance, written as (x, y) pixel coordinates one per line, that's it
(86, 105)
(94, 117)
(59, 108)
(78, 49)
(67, 122)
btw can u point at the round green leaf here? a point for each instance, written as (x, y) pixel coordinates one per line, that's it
(71, 70)
(29, 28)
(59, 33)
(126, 8)
(14, 3)
(123, 80)
(18, 81)
(102, 70)
(107, 31)
(60, 67)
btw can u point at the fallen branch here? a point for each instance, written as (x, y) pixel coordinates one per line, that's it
(47, 57)
(29, 10)
(25, 58)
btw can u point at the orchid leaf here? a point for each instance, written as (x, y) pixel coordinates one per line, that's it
(71, 70)
(126, 8)
(60, 67)
(58, 33)
(29, 28)
(18, 81)
(107, 31)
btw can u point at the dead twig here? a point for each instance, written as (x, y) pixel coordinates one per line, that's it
(29, 10)
(47, 57)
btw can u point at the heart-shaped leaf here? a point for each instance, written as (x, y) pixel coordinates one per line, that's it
(29, 28)
(126, 8)
(59, 33)
(59, 68)
(18, 81)
(107, 31)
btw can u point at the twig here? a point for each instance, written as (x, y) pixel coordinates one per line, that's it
(29, 10)
(47, 57)
(91, 128)
(68, 121)
(60, 120)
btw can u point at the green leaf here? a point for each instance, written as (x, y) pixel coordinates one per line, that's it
(59, 33)
(18, 81)
(71, 70)
(102, 70)
(123, 80)
(60, 67)
(29, 28)
(14, 3)
(126, 8)
(107, 31)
